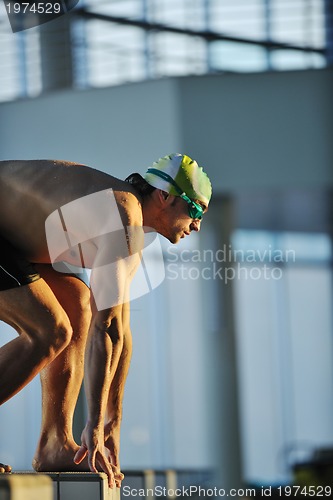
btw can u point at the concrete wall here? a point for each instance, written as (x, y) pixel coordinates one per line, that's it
(257, 130)
(115, 130)
(265, 130)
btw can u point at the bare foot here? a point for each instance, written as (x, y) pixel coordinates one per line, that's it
(5, 468)
(53, 456)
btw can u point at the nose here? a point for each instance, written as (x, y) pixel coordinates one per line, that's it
(195, 225)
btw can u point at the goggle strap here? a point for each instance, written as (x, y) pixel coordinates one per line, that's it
(166, 177)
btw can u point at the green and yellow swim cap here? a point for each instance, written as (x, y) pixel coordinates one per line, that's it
(186, 174)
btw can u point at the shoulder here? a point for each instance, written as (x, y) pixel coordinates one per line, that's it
(129, 205)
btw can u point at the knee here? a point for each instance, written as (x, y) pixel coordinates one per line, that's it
(61, 336)
(50, 339)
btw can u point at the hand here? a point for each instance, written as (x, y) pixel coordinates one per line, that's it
(92, 444)
(112, 442)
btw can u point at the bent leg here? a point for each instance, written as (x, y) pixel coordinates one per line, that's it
(61, 380)
(44, 331)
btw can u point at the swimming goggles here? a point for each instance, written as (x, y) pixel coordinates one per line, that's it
(194, 209)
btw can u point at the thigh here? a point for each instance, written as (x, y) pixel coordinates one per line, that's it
(71, 292)
(33, 309)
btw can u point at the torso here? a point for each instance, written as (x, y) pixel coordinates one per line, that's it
(31, 190)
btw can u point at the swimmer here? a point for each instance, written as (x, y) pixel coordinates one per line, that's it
(58, 218)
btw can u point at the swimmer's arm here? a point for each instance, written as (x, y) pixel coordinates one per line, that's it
(113, 415)
(103, 353)
(110, 281)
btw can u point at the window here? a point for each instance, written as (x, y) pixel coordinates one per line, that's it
(109, 53)
(285, 346)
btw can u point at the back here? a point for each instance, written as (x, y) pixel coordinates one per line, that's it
(30, 190)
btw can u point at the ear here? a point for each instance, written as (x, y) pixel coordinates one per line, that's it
(162, 196)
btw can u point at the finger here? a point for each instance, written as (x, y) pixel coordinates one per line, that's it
(2, 470)
(118, 476)
(92, 461)
(117, 473)
(80, 454)
(105, 466)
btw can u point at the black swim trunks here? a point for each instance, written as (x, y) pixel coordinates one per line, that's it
(15, 270)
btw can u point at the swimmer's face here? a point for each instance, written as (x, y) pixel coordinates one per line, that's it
(178, 223)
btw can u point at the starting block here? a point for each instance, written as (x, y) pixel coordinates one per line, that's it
(25, 487)
(56, 486)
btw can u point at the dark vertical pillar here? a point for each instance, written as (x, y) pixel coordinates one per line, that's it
(21, 41)
(149, 72)
(207, 8)
(268, 31)
(329, 30)
(56, 54)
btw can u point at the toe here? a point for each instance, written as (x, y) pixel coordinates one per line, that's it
(5, 468)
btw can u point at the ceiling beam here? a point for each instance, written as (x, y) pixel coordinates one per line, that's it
(209, 36)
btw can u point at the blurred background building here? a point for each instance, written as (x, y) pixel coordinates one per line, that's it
(233, 353)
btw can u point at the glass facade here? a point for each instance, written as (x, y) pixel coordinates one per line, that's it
(284, 328)
(212, 36)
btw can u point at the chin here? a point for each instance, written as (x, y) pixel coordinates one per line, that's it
(172, 239)
(176, 239)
